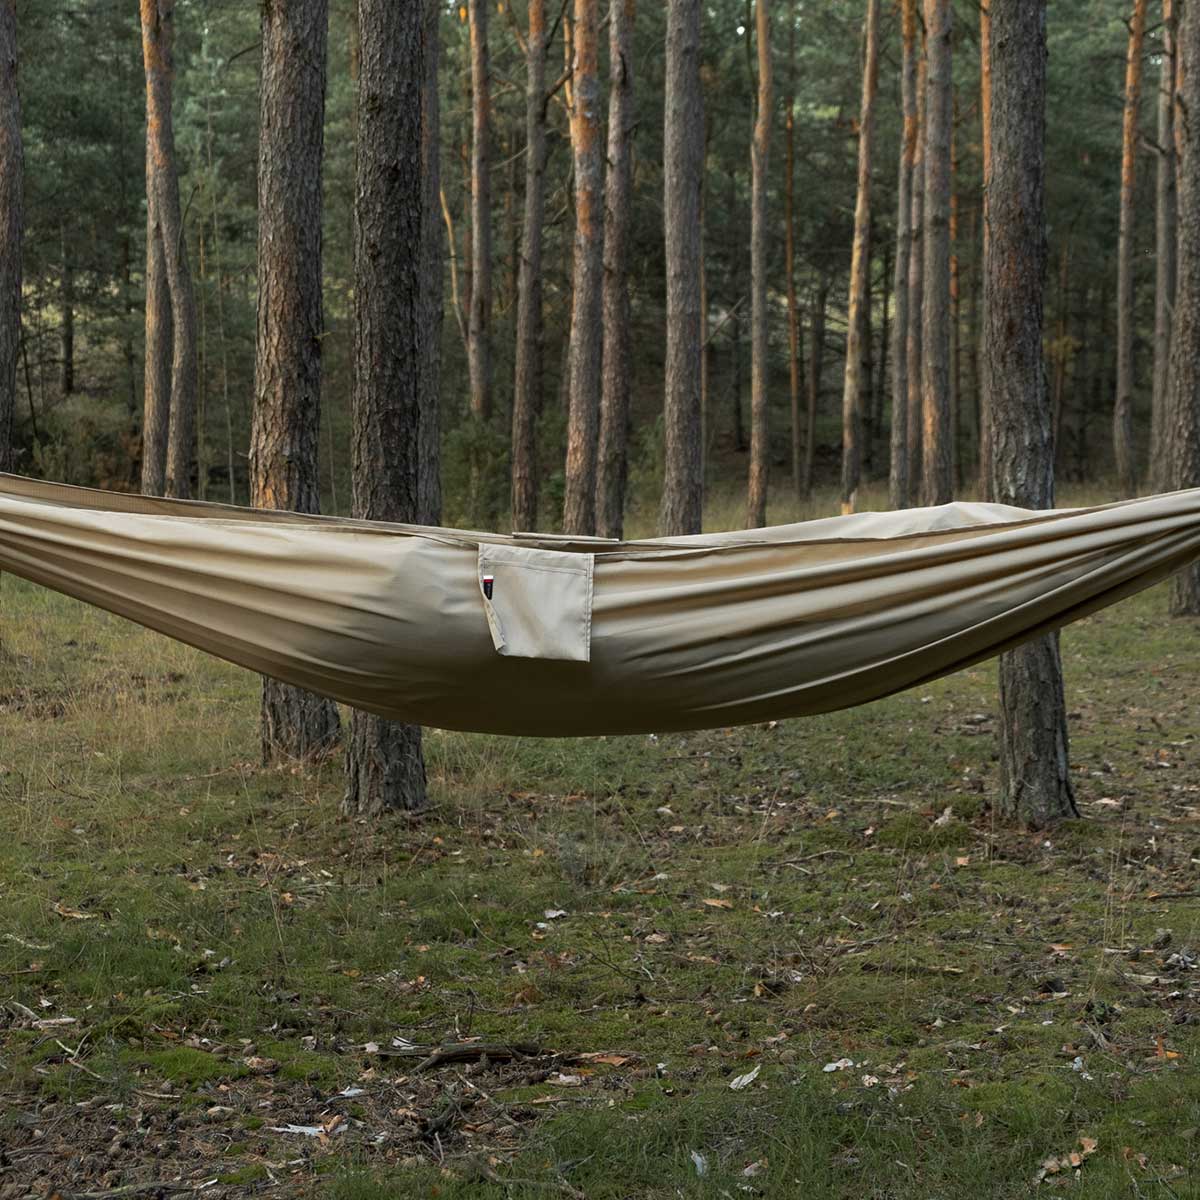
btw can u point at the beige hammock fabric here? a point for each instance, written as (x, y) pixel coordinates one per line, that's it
(553, 636)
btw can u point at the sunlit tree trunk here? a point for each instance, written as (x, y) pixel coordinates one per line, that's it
(1035, 783)
(617, 381)
(683, 166)
(528, 382)
(760, 434)
(12, 225)
(396, 334)
(936, 450)
(1123, 450)
(285, 434)
(1165, 247)
(860, 266)
(985, 121)
(1183, 389)
(479, 317)
(898, 486)
(579, 509)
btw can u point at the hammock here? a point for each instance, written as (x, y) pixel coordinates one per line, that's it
(553, 636)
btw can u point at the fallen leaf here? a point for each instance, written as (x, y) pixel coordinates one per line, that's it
(744, 1081)
(712, 902)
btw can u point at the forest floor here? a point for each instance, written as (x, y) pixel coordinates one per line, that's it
(796, 959)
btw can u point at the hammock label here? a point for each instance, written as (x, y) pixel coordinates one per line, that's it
(488, 582)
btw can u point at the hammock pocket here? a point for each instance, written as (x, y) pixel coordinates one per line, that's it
(556, 636)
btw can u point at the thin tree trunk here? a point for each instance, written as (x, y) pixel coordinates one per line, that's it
(12, 225)
(579, 508)
(67, 328)
(789, 202)
(760, 432)
(937, 477)
(395, 334)
(1183, 388)
(955, 384)
(227, 403)
(882, 380)
(683, 158)
(985, 120)
(1123, 449)
(479, 318)
(1035, 783)
(916, 292)
(156, 416)
(617, 355)
(1061, 346)
(158, 42)
(285, 438)
(860, 270)
(1165, 247)
(528, 380)
(898, 481)
(816, 368)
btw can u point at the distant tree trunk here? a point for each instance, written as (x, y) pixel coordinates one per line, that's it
(479, 319)
(898, 486)
(579, 509)
(760, 433)
(395, 334)
(937, 477)
(1183, 388)
(985, 120)
(916, 290)
(955, 313)
(1165, 248)
(816, 368)
(789, 205)
(285, 434)
(860, 270)
(1035, 778)
(1123, 449)
(158, 40)
(68, 313)
(617, 361)
(683, 163)
(156, 416)
(528, 383)
(12, 226)
(882, 379)
(1060, 354)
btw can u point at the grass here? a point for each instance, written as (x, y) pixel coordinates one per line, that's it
(197, 953)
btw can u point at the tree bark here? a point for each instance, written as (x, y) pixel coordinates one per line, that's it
(617, 354)
(789, 216)
(985, 119)
(286, 427)
(816, 369)
(156, 405)
(479, 317)
(760, 432)
(1123, 449)
(12, 226)
(1165, 248)
(579, 509)
(1183, 388)
(916, 289)
(528, 380)
(396, 335)
(860, 268)
(898, 481)
(162, 182)
(937, 478)
(1035, 785)
(683, 161)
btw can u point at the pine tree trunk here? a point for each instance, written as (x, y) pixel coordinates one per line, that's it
(760, 433)
(683, 161)
(156, 415)
(1123, 449)
(12, 225)
(162, 181)
(479, 319)
(1035, 785)
(395, 335)
(816, 369)
(860, 267)
(528, 381)
(985, 121)
(617, 355)
(1165, 248)
(937, 477)
(285, 435)
(898, 486)
(916, 289)
(579, 508)
(1182, 415)
(789, 216)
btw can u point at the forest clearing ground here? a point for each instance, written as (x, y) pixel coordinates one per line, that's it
(207, 974)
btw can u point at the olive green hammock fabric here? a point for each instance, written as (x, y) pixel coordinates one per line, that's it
(554, 636)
